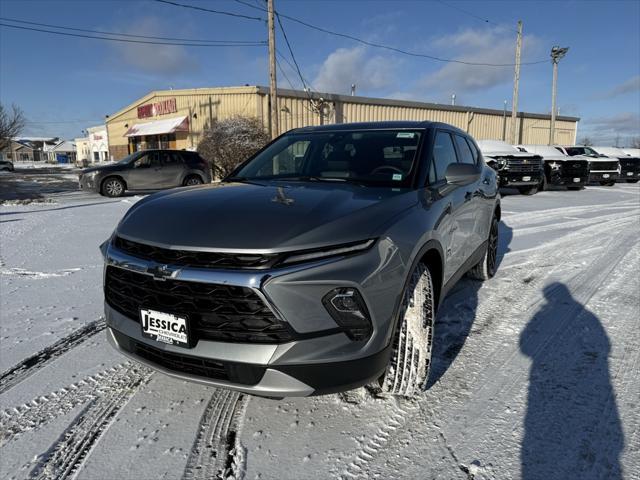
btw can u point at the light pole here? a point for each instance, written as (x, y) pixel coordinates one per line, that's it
(556, 54)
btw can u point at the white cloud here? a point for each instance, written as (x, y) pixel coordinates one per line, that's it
(631, 85)
(606, 130)
(161, 59)
(493, 46)
(353, 65)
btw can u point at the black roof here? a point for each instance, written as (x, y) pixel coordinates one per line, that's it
(400, 124)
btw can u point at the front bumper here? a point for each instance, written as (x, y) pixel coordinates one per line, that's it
(603, 176)
(320, 359)
(519, 179)
(89, 182)
(262, 380)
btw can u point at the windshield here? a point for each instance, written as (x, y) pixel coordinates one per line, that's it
(589, 152)
(127, 159)
(368, 157)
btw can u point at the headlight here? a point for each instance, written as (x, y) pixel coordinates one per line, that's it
(328, 252)
(346, 306)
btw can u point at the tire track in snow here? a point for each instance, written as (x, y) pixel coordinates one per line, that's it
(370, 449)
(40, 411)
(64, 459)
(23, 370)
(216, 451)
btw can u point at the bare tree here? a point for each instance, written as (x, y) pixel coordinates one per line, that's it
(635, 142)
(617, 141)
(586, 141)
(227, 143)
(11, 124)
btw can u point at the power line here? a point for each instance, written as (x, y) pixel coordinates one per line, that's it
(209, 10)
(471, 14)
(388, 47)
(286, 77)
(148, 42)
(62, 27)
(293, 57)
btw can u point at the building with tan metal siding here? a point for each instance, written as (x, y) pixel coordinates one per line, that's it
(177, 118)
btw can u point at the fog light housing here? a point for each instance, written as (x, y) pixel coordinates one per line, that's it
(346, 306)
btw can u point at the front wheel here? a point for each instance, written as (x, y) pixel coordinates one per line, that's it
(607, 184)
(632, 181)
(408, 369)
(192, 180)
(113, 187)
(575, 188)
(486, 268)
(528, 190)
(543, 183)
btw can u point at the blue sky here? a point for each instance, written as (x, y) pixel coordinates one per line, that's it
(65, 84)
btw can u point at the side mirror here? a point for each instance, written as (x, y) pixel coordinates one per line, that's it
(461, 174)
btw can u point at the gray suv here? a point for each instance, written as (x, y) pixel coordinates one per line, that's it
(147, 170)
(317, 266)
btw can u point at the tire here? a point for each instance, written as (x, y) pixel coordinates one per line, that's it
(192, 180)
(543, 184)
(607, 183)
(528, 190)
(408, 369)
(486, 268)
(575, 188)
(632, 181)
(112, 187)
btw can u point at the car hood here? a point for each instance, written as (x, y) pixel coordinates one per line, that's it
(265, 217)
(103, 168)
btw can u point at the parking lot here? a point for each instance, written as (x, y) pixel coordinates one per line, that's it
(546, 353)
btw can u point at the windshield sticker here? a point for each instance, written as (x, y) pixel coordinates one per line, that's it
(397, 176)
(405, 135)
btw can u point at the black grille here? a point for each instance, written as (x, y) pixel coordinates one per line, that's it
(216, 312)
(242, 373)
(630, 165)
(528, 165)
(606, 166)
(575, 168)
(195, 259)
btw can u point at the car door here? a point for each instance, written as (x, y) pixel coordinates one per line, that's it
(139, 174)
(171, 169)
(473, 218)
(454, 200)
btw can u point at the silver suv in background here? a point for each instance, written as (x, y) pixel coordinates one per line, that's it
(317, 266)
(147, 170)
(602, 169)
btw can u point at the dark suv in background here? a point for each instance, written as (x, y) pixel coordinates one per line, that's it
(147, 170)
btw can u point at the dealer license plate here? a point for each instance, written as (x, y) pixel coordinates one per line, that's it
(605, 175)
(526, 179)
(164, 327)
(576, 180)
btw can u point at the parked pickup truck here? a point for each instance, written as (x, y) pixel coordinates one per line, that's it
(521, 170)
(629, 164)
(560, 169)
(602, 169)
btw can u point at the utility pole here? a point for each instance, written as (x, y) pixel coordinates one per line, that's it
(556, 54)
(516, 85)
(273, 85)
(504, 121)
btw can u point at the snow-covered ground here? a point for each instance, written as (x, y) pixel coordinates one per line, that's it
(535, 372)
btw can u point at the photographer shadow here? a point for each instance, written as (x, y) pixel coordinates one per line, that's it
(572, 426)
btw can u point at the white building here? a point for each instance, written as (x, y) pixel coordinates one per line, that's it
(98, 143)
(83, 156)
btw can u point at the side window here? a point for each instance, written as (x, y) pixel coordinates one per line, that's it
(474, 150)
(444, 154)
(466, 155)
(143, 162)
